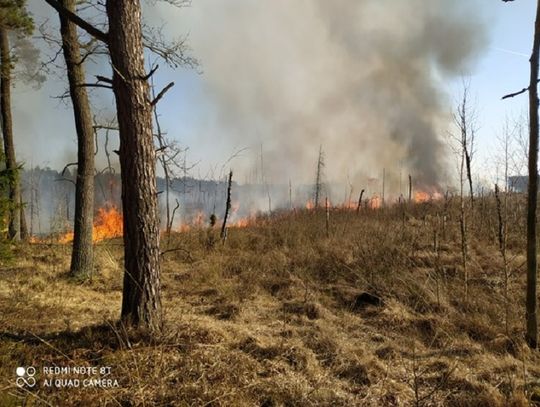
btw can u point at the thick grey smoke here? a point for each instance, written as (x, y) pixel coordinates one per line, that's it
(364, 78)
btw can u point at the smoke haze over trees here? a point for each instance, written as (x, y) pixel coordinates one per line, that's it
(361, 75)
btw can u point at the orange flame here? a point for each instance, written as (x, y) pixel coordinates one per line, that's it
(375, 202)
(421, 196)
(108, 224)
(242, 222)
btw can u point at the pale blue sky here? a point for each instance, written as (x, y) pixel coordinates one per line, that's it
(503, 69)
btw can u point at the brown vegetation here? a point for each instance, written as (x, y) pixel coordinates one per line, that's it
(374, 314)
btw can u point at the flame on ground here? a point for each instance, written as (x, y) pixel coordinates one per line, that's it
(108, 221)
(201, 220)
(108, 224)
(421, 196)
(375, 202)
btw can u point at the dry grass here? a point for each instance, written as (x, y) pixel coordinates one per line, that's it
(282, 315)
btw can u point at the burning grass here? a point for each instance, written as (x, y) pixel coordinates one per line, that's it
(283, 315)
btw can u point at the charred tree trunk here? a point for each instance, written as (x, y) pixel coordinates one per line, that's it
(467, 140)
(83, 251)
(531, 300)
(410, 188)
(227, 209)
(141, 303)
(318, 178)
(360, 201)
(468, 160)
(14, 231)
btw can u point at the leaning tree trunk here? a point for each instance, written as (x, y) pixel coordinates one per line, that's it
(7, 130)
(82, 252)
(531, 301)
(141, 304)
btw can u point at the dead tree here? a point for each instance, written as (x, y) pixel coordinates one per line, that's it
(531, 300)
(318, 178)
(166, 160)
(501, 235)
(463, 226)
(532, 189)
(227, 209)
(360, 201)
(465, 120)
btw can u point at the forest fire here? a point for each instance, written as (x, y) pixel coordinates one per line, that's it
(421, 196)
(375, 202)
(108, 224)
(200, 220)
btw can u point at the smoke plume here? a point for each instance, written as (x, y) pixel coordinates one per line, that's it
(364, 79)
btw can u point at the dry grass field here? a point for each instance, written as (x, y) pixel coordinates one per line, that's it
(372, 314)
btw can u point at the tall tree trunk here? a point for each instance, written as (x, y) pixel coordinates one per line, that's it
(83, 251)
(141, 304)
(7, 130)
(531, 301)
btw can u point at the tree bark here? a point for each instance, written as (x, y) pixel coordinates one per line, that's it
(14, 231)
(82, 263)
(359, 201)
(531, 300)
(227, 209)
(141, 303)
(24, 226)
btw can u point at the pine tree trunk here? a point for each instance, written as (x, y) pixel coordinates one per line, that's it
(7, 130)
(531, 300)
(141, 304)
(83, 251)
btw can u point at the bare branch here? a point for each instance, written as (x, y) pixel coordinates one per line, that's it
(174, 53)
(67, 166)
(511, 95)
(152, 71)
(89, 28)
(104, 79)
(161, 94)
(94, 85)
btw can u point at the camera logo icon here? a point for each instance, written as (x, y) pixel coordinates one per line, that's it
(25, 376)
